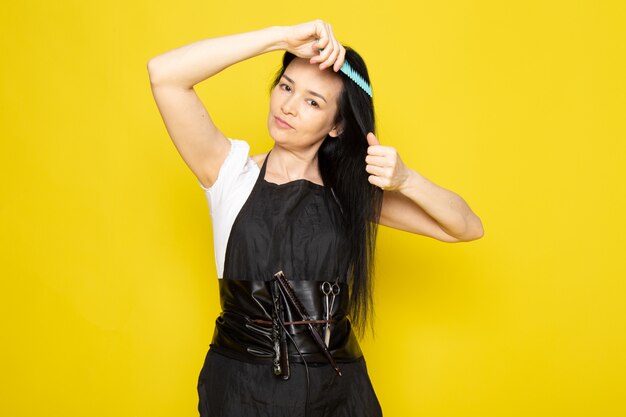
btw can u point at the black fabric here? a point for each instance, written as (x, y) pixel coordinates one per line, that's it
(243, 301)
(232, 388)
(296, 228)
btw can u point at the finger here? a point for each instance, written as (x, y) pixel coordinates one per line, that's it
(372, 139)
(380, 161)
(374, 180)
(376, 170)
(379, 150)
(340, 60)
(325, 38)
(325, 54)
(319, 57)
(335, 52)
(333, 46)
(320, 32)
(316, 46)
(322, 40)
(333, 58)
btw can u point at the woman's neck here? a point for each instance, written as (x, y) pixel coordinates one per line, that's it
(286, 165)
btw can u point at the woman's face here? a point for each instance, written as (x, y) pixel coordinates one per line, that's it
(306, 99)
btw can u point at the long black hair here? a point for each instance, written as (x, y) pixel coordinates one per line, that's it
(341, 162)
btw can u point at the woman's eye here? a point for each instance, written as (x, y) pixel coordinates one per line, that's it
(287, 88)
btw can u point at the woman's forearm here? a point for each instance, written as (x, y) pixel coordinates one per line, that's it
(448, 208)
(190, 64)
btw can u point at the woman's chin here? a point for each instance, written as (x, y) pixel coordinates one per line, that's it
(279, 135)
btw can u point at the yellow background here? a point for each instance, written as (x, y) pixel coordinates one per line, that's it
(108, 289)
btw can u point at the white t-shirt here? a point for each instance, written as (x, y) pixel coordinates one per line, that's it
(227, 195)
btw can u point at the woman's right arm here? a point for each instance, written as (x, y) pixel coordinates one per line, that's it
(173, 75)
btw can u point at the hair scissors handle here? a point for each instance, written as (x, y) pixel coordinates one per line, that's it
(328, 289)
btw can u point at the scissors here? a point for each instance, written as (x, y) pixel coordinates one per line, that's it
(328, 289)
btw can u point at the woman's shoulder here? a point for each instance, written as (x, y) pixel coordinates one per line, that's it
(241, 149)
(259, 158)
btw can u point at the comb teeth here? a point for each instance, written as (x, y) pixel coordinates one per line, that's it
(356, 77)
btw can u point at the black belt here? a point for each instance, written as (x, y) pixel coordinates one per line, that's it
(259, 318)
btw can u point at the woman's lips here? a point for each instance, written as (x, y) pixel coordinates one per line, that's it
(280, 122)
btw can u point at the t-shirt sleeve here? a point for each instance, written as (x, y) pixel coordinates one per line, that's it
(236, 164)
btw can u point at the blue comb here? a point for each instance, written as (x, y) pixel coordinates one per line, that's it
(355, 76)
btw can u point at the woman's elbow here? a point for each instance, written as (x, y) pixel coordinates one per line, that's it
(474, 231)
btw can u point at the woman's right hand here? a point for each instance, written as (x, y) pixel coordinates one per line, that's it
(306, 39)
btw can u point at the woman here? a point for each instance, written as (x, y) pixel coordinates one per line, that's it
(295, 228)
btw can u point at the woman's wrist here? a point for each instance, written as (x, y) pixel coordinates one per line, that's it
(412, 181)
(279, 34)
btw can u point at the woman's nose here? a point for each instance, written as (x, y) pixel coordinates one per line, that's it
(288, 106)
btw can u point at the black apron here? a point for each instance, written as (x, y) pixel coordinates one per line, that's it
(297, 230)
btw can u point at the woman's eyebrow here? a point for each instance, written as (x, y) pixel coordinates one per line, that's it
(308, 91)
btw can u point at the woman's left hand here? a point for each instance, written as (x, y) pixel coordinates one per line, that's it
(385, 166)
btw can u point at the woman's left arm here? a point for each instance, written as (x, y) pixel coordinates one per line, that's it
(414, 204)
